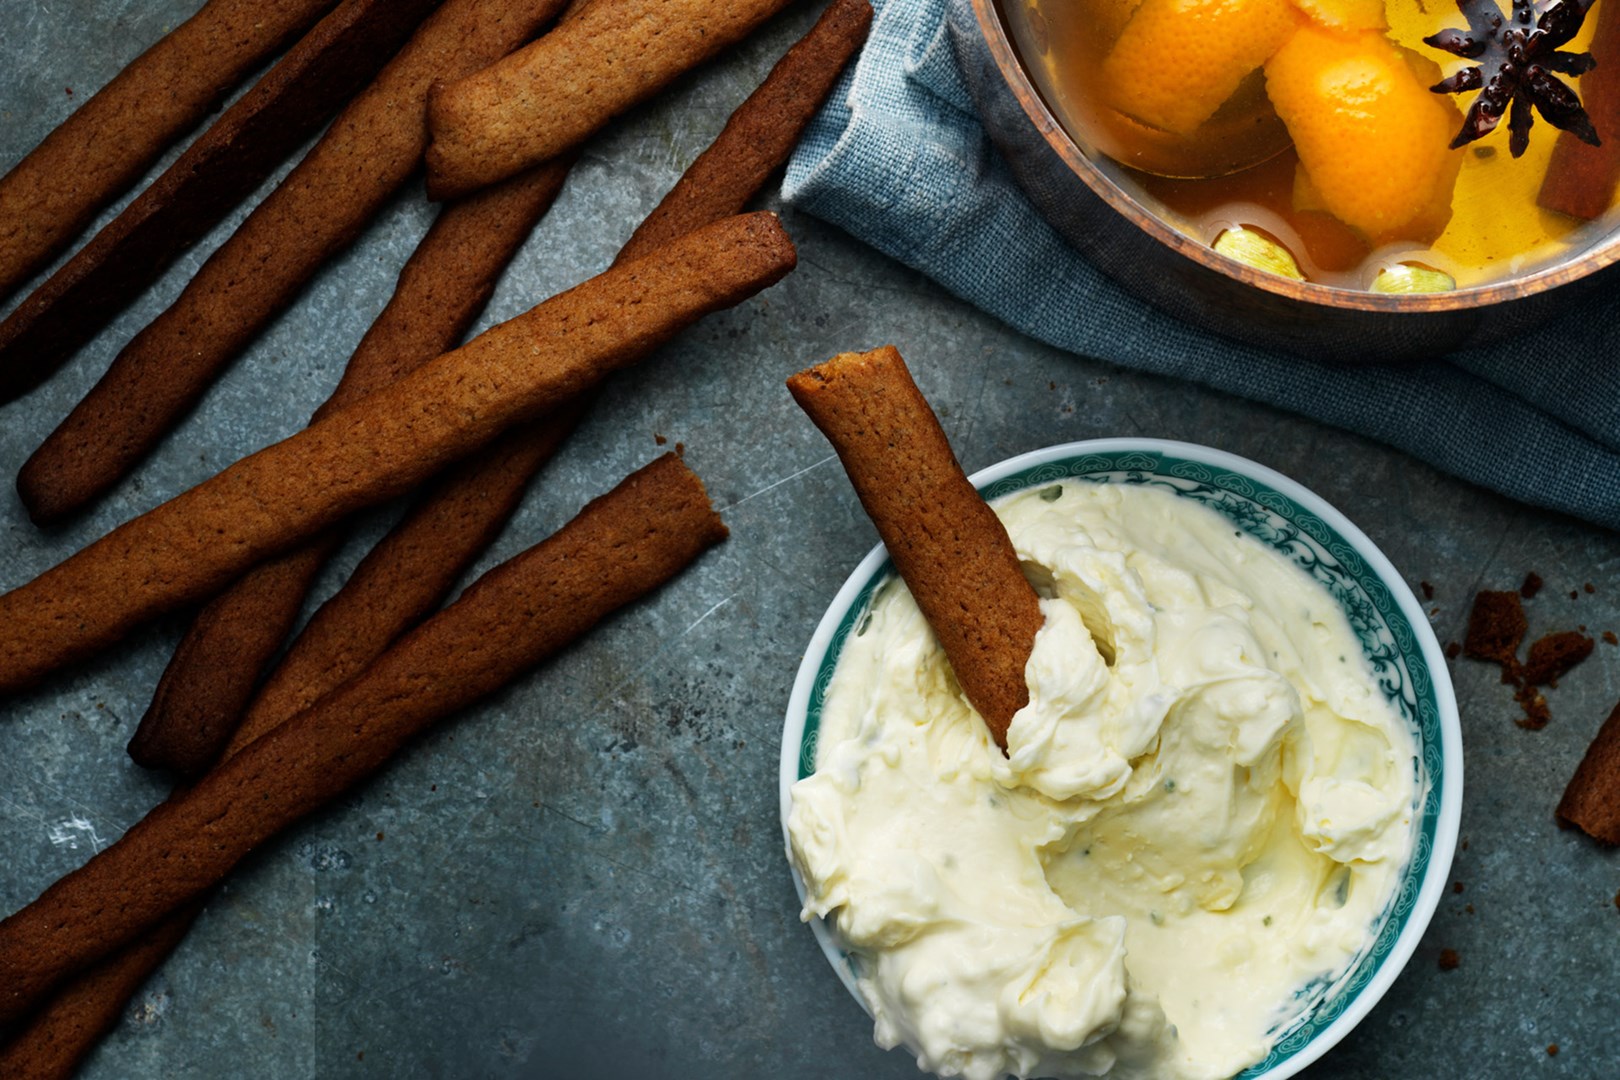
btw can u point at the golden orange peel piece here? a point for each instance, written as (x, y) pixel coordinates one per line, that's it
(1178, 61)
(1371, 137)
(1345, 15)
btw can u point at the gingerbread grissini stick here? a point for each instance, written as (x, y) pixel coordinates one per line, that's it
(551, 95)
(622, 546)
(406, 576)
(948, 545)
(442, 289)
(222, 167)
(52, 1041)
(762, 132)
(48, 197)
(381, 446)
(1591, 802)
(369, 151)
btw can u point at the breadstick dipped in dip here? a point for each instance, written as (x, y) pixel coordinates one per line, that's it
(950, 548)
(621, 547)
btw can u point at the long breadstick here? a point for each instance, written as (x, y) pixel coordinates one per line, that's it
(443, 287)
(762, 132)
(948, 545)
(406, 576)
(57, 1037)
(104, 147)
(619, 548)
(369, 151)
(226, 163)
(195, 544)
(550, 96)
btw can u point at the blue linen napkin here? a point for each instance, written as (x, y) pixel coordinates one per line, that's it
(898, 158)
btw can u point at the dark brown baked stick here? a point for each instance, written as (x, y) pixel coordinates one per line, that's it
(372, 147)
(97, 153)
(949, 546)
(550, 96)
(620, 547)
(194, 545)
(1591, 803)
(762, 132)
(406, 576)
(53, 1040)
(444, 286)
(220, 169)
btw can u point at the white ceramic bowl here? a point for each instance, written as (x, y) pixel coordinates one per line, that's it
(1385, 616)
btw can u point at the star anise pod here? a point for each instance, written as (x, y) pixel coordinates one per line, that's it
(1519, 65)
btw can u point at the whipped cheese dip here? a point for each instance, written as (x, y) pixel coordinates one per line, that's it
(1203, 810)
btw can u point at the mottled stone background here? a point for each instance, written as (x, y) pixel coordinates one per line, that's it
(584, 877)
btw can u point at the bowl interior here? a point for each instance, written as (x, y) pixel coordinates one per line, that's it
(1386, 618)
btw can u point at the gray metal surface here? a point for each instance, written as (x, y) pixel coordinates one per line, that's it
(584, 876)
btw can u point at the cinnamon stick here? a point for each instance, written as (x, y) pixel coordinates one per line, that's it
(1581, 180)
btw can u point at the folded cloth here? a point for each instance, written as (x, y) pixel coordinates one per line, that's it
(898, 159)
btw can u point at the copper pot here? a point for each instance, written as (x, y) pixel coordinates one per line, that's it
(1193, 282)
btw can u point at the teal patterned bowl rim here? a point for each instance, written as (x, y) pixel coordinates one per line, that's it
(1395, 636)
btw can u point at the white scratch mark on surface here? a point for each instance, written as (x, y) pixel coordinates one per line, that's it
(706, 614)
(71, 831)
(779, 483)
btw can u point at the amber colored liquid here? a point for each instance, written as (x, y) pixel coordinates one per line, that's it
(1496, 228)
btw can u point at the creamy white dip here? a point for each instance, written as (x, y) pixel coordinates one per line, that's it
(1204, 807)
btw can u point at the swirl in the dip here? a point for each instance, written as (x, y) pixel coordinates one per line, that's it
(1204, 807)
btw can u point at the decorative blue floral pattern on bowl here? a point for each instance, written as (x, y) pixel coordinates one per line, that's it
(1392, 649)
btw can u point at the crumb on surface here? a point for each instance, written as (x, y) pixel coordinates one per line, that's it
(1496, 626)
(1449, 960)
(1554, 655)
(659, 439)
(1552, 1049)
(1532, 585)
(1457, 887)
(1428, 590)
(1574, 595)
(1590, 588)
(1469, 908)
(1608, 636)
(1453, 650)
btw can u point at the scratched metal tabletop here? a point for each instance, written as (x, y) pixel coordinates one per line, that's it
(584, 876)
